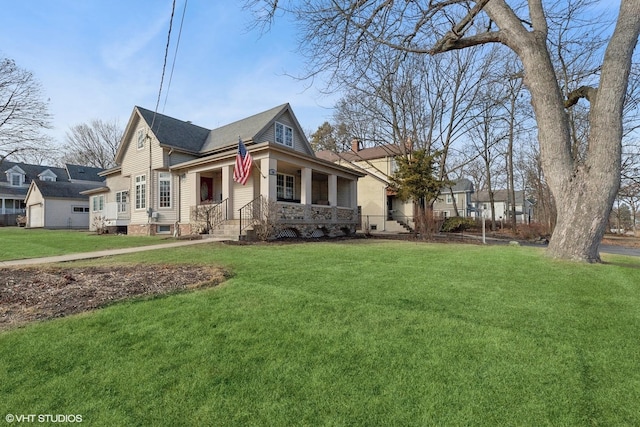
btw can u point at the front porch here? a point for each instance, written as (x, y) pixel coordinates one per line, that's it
(290, 199)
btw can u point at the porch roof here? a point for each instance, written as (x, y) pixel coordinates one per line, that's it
(261, 150)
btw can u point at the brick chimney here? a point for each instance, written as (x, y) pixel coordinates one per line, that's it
(355, 145)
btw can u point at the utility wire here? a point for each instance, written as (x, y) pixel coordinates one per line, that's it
(175, 55)
(164, 66)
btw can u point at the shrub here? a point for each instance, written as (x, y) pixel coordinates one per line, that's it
(456, 224)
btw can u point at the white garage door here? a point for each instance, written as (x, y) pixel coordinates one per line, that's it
(35, 217)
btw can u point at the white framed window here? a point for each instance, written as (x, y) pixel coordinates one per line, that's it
(284, 135)
(164, 189)
(450, 199)
(163, 229)
(284, 186)
(17, 179)
(97, 203)
(141, 191)
(122, 199)
(140, 136)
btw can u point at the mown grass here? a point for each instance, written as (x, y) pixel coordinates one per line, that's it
(21, 243)
(360, 333)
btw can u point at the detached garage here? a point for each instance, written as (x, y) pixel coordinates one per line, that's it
(54, 204)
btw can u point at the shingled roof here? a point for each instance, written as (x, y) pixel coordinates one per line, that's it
(372, 153)
(31, 171)
(246, 129)
(64, 190)
(185, 136)
(175, 133)
(83, 173)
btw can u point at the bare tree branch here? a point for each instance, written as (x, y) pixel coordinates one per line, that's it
(23, 114)
(589, 93)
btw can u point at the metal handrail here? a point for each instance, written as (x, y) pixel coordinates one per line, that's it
(219, 213)
(213, 214)
(251, 213)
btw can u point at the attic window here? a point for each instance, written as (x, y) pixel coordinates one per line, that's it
(284, 135)
(140, 137)
(17, 179)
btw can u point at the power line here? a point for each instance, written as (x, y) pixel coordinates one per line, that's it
(164, 66)
(175, 55)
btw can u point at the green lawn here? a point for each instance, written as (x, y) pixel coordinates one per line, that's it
(20, 243)
(362, 333)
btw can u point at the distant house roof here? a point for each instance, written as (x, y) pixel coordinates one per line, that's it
(377, 152)
(462, 185)
(498, 196)
(31, 171)
(84, 173)
(64, 190)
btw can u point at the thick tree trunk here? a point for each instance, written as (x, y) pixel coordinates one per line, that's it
(583, 213)
(584, 192)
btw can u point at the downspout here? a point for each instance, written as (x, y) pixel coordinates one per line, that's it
(150, 193)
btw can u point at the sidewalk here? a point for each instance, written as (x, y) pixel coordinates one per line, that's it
(109, 252)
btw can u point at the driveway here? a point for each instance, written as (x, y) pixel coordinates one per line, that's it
(619, 250)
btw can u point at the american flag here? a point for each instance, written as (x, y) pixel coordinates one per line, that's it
(244, 161)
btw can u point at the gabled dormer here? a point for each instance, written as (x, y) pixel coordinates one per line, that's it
(16, 176)
(47, 175)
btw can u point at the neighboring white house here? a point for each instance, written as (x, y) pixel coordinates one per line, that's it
(16, 179)
(54, 200)
(503, 205)
(174, 177)
(58, 205)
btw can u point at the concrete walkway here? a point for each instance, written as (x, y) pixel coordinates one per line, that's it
(109, 252)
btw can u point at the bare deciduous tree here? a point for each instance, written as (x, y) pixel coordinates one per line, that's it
(93, 144)
(341, 36)
(24, 115)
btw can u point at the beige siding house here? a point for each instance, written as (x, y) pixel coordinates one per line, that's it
(503, 206)
(174, 177)
(381, 209)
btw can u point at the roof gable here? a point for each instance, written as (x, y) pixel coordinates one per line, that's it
(252, 128)
(47, 173)
(175, 133)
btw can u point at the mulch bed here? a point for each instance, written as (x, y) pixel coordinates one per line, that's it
(30, 294)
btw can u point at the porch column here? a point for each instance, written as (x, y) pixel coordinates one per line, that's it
(333, 190)
(268, 181)
(2, 211)
(227, 189)
(305, 186)
(353, 193)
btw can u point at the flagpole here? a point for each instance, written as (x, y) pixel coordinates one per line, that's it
(258, 167)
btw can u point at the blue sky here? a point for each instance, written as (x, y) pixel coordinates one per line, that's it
(99, 58)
